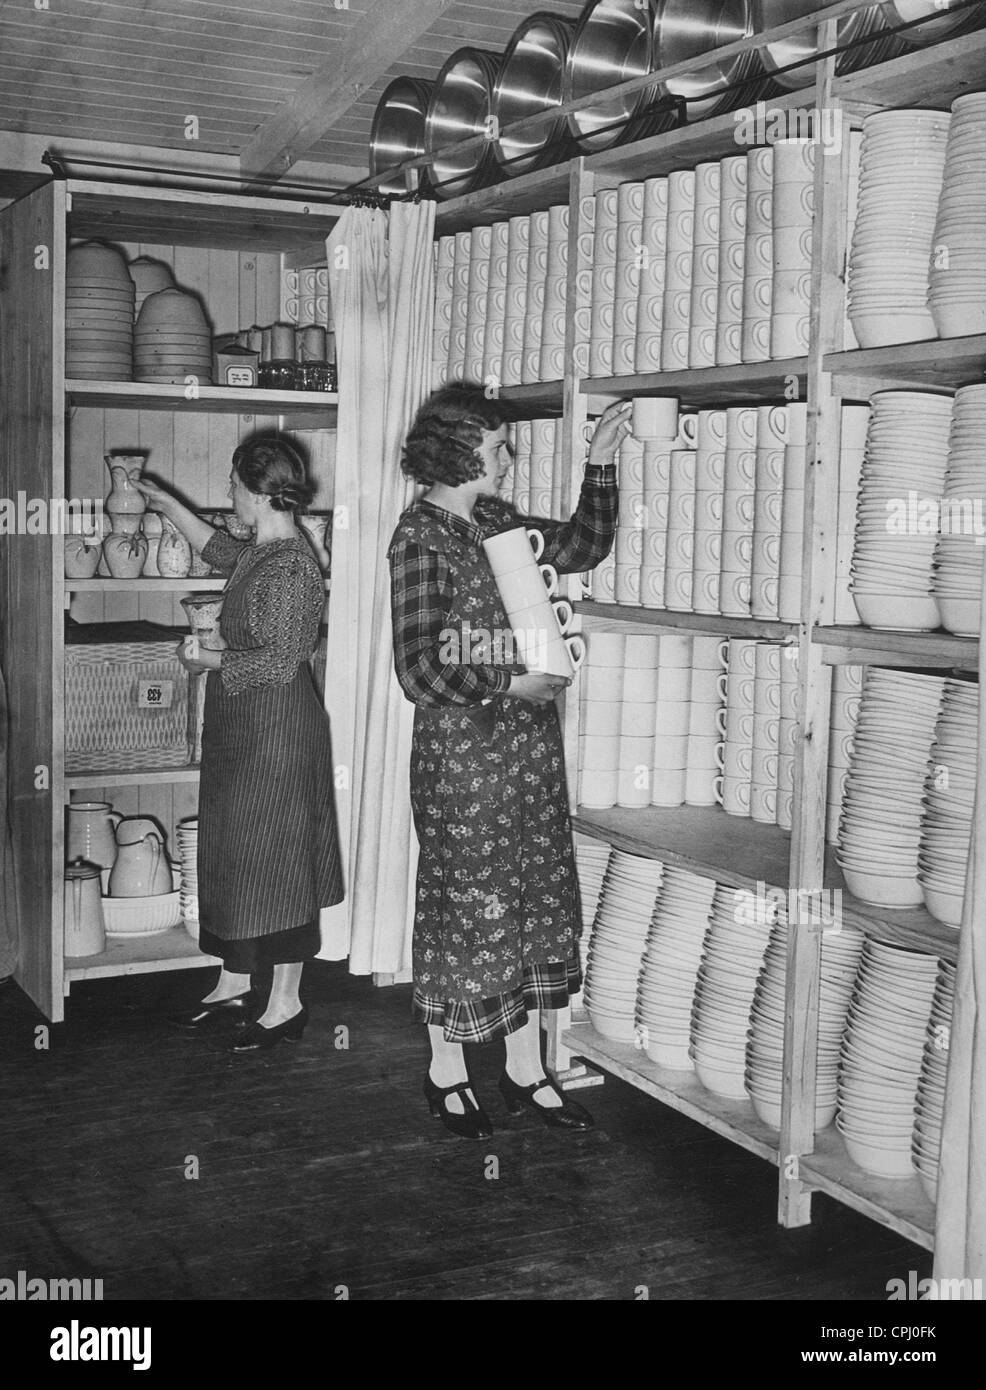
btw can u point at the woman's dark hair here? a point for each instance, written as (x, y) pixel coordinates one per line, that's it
(440, 445)
(274, 467)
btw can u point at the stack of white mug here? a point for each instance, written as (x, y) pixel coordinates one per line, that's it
(705, 267)
(602, 305)
(533, 483)
(758, 257)
(750, 724)
(653, 269)
(732, 258)
(477, 296)
(847, 690)
(679, 271)
(511, 364)
(629, 232)
(539, 621)
(791, 220)
(462, 251)
(645, 469)
(773, 433)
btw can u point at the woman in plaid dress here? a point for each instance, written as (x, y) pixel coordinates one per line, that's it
(497, 911)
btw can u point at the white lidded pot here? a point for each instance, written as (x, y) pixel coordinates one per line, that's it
(141, 869)
(85, 931)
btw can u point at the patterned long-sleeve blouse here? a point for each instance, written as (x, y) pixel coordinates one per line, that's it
(422, 588)
(285, 599)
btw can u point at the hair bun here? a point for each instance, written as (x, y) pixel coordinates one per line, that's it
(292, 495)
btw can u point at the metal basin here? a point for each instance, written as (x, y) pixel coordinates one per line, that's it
(613, 43)
(531, 81)
(944, 27)
(461, 106)
(685, 29)
(398, 130)
(804, 46)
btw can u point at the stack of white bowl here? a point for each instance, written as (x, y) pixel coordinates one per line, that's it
(669, 968)
(442, 332)
(732, 255)
(477, 293)
(639, 719)
(854, 424)
(957, 287)
(173, 340)
(732, 955)
(537, 270)
(187, 835)
(710, 472)
(619, 934)
(702, 320)
(792, 217)
(738, 510)
(629, 233)
(628, 545)
(929, 1102)
(99, 314)
(673, 722)
(758, 257)
(601, 689)
(902, 163)
(653, 253)
(847, 689)
(680, 550)
(515, 300)
(892, 742)
(676, 317)
(603, 290)
(959, 553)
(793, 515)
(765, 1050)
(496, 303)
(705, 701)
(462, 248)
(882, 1051)
(551, 365)
(591, 862)
(905, 462)
(950, 788)
(773, 425)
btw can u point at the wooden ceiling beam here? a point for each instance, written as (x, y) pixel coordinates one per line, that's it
(376, 41)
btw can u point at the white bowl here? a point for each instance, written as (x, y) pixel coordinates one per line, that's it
(142, 916)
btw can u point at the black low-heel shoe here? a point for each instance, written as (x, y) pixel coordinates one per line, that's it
(568, 1115)
(257, 1037)
(474, 1123)
(235, 1010)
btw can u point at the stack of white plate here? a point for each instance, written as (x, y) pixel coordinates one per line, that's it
(99, 314)
(880, 826)
(959, 553)
(950, 790)
(929, 1103)
(765, 1048)
(187, 835)
(733, 951)
(882, 1052)
(591, 861)
(903, 472)
(172, 339)
(619, 933)
(902, 163)
(957, 294)
(669, 969)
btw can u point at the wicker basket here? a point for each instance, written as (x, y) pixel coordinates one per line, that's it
(126, 705)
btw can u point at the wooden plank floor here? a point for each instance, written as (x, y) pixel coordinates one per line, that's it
(321, 1167)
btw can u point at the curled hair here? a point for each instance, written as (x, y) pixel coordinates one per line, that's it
(273, 467)
(441, 444)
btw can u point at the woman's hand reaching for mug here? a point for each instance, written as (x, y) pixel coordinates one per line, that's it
(614, 426)
(537, 687)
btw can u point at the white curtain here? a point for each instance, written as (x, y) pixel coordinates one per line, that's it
(381, 278)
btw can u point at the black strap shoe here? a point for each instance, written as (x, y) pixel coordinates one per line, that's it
(568, 1115)
(257, 1036)
(474, 1123)
(235, 1010)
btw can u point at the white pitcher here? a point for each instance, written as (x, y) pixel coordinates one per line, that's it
(141, 869)
(92, 833)
(85, 931)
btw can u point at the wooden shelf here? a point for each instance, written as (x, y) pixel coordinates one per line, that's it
(912, 929)
(930, 77)
(733, 1119)
(902, 1204)
(139, 955)
(622, 617)
(536, 400)
(144, 586)
(750, 382)
(936, 363)
(533, 192)
(704, 839)
(317, 406)
(859, 646)
(140, 777)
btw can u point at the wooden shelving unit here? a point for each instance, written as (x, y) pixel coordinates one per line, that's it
(749, 383)
(140, 955)
(858, 646)
(304, 409)
(624, 617)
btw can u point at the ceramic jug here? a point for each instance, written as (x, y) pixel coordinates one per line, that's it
(92, 833)
(85, 930)
(126, 499)
(203, 618)
(141, 869)
(174, 555)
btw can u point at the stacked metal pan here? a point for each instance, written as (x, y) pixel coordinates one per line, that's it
(398, 131)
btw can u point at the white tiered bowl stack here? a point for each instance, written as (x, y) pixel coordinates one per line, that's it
(172, 340)
(877, 851)
(187, 835)
(669, 969)
(959, 552)
(619, 934)
(733, 951)
(903, 479)
(99, 314)
(882, 1053)
(929, 1103)
(765, 1048)
(591, 860)
(957, 290)
(950, 788)
(902, 164)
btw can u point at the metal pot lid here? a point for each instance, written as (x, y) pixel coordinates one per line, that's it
(531, 81)
(460, 108)
(613, 43)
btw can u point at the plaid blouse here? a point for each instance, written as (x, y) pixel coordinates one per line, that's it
(422, 586)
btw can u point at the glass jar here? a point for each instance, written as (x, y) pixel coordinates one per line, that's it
(278, 376)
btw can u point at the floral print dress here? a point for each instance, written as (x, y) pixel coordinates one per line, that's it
(497, 914)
